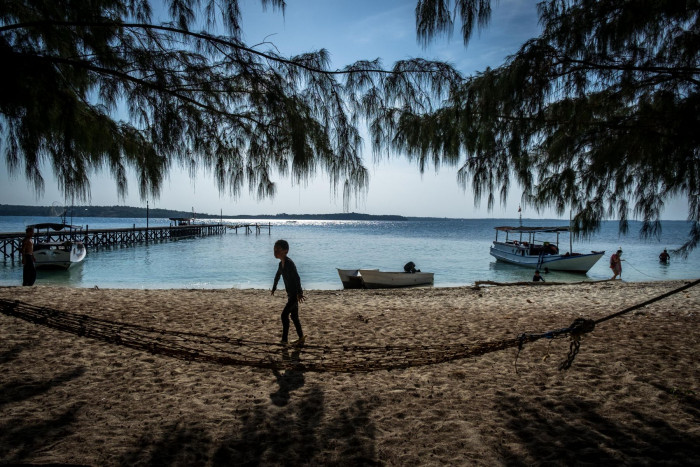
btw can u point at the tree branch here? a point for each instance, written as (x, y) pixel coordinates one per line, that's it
(132, 79)
(202, 36)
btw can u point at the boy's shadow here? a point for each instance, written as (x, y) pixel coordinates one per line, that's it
(289, 380)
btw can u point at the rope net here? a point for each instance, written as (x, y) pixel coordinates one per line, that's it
(223, 350)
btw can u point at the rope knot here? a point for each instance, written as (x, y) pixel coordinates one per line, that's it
(581, 326)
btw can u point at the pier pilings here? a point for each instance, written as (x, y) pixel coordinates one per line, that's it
(249, 228)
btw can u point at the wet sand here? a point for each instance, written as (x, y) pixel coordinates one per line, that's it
(631, 395)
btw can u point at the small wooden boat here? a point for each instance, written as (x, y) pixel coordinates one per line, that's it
(533, 253)
(375, 279)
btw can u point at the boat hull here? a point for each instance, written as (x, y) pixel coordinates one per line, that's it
(59, 255)
(514, 254)
(351, 278)
(375, 279)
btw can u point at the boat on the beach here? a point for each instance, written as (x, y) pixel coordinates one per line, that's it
(351, 278)
(376, 279)
(528, 251)
(61, 254)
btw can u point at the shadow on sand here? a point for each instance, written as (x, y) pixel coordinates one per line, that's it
(576, 432)
(290, 432)
(291, 429)
(292, 435)
(20, 437)
(288, 381)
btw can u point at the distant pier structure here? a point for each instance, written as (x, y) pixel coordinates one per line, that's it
(11, 242)
(250, 228)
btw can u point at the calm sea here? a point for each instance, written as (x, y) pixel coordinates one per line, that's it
(456, 250)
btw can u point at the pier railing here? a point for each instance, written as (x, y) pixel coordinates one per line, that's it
(11, 242)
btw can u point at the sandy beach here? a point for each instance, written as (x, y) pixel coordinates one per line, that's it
(630, 397)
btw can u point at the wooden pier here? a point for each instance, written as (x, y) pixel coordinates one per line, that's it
(11, 242)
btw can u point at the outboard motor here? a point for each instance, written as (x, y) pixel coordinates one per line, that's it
(410, 267)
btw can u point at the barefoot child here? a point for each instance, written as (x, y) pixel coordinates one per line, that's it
(292, 283)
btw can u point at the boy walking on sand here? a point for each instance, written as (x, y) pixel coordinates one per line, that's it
(295, 295)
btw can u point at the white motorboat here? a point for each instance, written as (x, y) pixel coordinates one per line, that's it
(58, 254)
(528, 251)
(375, 279)
(351, 278)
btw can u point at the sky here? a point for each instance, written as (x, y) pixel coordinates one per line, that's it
(349, 31)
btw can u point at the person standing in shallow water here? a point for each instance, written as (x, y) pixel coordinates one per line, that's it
(616, 264)
(29, 269)
(295, 295)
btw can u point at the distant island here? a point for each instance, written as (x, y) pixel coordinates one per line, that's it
(135, 212)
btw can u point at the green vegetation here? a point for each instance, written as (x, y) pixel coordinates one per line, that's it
(135, 212)
(89, 211)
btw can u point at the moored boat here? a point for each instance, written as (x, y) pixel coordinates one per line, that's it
(534, 253)
(62, 253)
(375, 279)
(59, 255)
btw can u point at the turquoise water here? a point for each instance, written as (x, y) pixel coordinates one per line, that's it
(456, 250)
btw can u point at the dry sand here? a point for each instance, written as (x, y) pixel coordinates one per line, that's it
(630, 397)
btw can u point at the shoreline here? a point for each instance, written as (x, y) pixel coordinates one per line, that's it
(475, 285)
(629, 397)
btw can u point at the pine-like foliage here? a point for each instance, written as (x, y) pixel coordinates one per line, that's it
(97, 84)
(599, 115)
